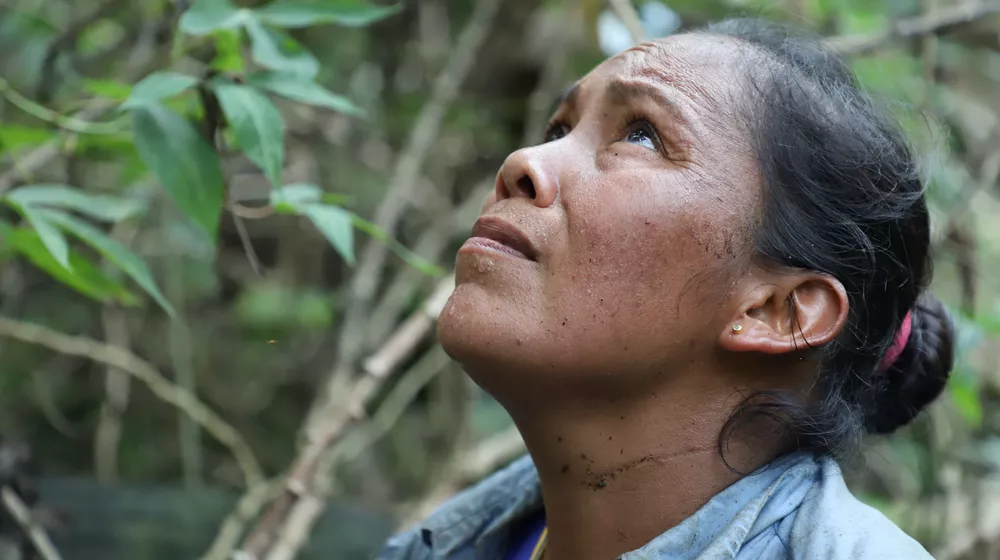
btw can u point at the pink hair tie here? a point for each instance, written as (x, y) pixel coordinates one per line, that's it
(902, 337)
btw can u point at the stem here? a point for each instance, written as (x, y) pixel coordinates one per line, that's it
(72, 124)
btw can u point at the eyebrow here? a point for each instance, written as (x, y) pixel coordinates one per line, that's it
(623, 91)
(568, 97)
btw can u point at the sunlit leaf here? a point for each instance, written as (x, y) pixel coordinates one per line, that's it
(964, 393)
(205, 16)
(51, 237)
(273, 49)
(108, 88)
(335, 224)
(411, 258)
(302, 89)
(291, 199)
(271, 305)
(184, 163)
(115, 252)
(100, 207)
(258, 126)
(85, 277)
(157, 87)
(228, 55)
(303, 13)
(13, 136)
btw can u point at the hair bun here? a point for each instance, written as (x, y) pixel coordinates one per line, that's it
(920, 373)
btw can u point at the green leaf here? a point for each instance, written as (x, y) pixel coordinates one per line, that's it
(115, 252)
(85, 277)
(291, 199)
(305, 90)
(108, 88)
(964, 392)
(303, 13)
(49, 234)
(13, 136)
(258, 126)
(228, 55)
(157, 87)
(276, 50)
(205, 16)
(184, 163)
(100, 207)
(335, 224)
(411, 258)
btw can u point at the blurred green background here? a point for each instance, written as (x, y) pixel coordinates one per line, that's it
(234, 222)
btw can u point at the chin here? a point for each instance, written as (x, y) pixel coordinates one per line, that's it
(488, 336)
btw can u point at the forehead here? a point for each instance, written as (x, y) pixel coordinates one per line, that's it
(700, 68)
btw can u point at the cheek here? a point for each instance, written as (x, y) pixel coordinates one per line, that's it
(647, 274)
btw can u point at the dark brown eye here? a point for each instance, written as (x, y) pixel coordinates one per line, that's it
(555, 131)
(642, 134)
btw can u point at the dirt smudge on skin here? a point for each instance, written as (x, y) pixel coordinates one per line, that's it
(601, 480)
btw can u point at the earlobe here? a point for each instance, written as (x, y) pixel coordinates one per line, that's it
(791, 312)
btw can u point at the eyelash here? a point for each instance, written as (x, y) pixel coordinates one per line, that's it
(554, 128)
(635, 123)
(638, 123)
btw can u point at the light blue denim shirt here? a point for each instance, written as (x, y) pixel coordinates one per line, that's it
(797, 507)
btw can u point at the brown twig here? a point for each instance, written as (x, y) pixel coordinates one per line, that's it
(117, 383)
(938, 21)
(468, 467)
(384, 316)
(143, 371)
(391, 410)
(415, 329)
(306, 472)
(404, 180)
(232, 527)
(116, 390)
(22, 514)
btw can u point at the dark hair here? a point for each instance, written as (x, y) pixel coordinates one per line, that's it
(843, 196)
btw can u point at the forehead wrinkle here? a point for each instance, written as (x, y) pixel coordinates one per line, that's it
(706, 90)
(660, 62)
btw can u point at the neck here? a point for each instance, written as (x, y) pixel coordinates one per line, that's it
(616, 474)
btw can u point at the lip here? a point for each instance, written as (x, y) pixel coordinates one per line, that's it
(495, 234)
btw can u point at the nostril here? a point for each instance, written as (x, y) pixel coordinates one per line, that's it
(527, 186)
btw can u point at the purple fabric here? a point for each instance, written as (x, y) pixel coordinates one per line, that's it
(525, 538)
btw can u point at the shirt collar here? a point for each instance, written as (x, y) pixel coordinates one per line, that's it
(484, 514)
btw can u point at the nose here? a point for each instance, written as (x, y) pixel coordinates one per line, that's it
(524, 175)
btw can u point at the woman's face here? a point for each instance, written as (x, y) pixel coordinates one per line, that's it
(607, 254)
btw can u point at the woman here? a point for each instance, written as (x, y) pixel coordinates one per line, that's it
(705, 283)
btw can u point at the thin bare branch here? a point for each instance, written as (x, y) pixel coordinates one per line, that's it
(143, 371)
(940, 20)
(108, 435)
(22, 514)
(246, 509)
(626, 12)
(404, 180)
(307, 476)
(392, 408)
(385, 314)
(468, 467)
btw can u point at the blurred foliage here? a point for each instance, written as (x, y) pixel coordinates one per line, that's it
(215, 160)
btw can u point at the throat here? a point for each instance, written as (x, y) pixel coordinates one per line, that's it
(614, 480)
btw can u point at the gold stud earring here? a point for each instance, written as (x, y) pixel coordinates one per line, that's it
(737, 328)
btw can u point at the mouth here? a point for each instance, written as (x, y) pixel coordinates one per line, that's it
(496, 235)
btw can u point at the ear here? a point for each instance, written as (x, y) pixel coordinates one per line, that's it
(781, 312)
